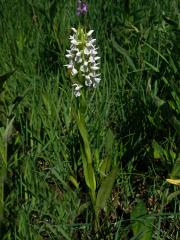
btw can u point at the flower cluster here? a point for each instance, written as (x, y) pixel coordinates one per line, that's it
(82, 8)
(83, 60)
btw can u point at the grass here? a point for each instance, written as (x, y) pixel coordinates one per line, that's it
(139, 47)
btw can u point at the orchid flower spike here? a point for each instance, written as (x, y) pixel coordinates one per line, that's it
(83, 60)
(82, 8)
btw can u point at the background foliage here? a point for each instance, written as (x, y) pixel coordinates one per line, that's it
(137, 102)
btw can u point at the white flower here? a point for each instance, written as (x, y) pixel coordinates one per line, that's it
(93, 52)
(74, 71)
(91, 59)
(78, 57)
(84, 67)
(88, 81)
(95, 68)
(83, 60)
(97, 80)
(74, 30)
(70, 56)
(97, 58)
(86, 51)
(77, 88)
(90, 32)
(75, 42)
(69, 66)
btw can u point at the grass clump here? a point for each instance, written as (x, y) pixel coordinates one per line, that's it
(133, 120)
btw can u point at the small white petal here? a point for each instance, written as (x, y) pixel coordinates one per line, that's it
(94, 68)
(90, 32)
(74, 49)
(94, 85)
(97, 58)
(74, 30)
(87, 77)
(78, 54)
(75, 42)
(93, 52)
(95, 64)
(69, 55)
(77, 94)
(88, 83)
(97, 80)
(74, 71)
(92, 41)
(91, 59)
(86, 51)
(84, 68)
(88, 44)
(77, 86)
(69, 66)
(78, 59)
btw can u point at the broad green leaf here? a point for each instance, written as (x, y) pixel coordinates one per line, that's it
(157, 150)
(91, 175)
(88, 173)
(85, 170)
(141, 222)
(105, 166)
(105, 190)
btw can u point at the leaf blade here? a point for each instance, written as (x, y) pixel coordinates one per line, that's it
(105, 189)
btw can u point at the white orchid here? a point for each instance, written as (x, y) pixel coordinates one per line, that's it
(83, 60)
(77, 88)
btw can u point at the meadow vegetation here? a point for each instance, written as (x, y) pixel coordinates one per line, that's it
(133, 120)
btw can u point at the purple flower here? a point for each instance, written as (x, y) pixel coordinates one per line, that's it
(82, 8)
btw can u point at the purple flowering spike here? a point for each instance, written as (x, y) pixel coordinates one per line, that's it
(82, 8)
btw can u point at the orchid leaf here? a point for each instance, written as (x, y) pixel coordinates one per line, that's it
(105, 190)
(141, 222)
(88, 173)
(105, 166)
